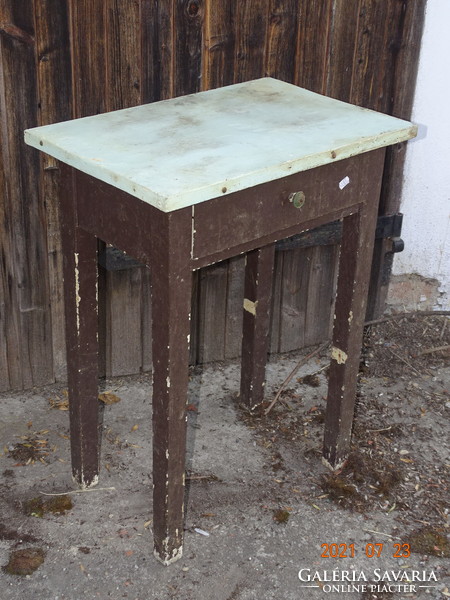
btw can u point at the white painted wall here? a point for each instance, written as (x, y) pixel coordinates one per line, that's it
(426, 191)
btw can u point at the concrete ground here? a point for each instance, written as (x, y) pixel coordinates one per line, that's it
(256, 512)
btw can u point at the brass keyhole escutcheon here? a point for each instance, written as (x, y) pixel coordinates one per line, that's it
(298, 199)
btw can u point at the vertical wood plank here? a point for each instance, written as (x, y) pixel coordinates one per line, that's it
(296, 268)
(28, 327)
(157, 51)
(343, 32)
(233, 318)
(313, 43)
(320, 293)
(122, 54)
(5, 299)
(282, 39)
(188, 19)
(251, 19)
(195, 325)
(10, 367)
(124, 342)
(397, 52)
(403, 71)
(375, 49)
(146, 319)
(211, 312)
(55, 104)
(275, 324)
(219, 44)
(87, 31)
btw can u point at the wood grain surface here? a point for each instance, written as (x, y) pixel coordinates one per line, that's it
(61, 59)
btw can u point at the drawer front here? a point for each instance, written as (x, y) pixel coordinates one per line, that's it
(269, 209)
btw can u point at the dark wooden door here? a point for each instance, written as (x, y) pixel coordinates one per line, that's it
(69, 58)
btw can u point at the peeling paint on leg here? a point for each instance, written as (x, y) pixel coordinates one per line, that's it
(336, 467)
(168, 381)
(192, 232)
(82, 484)
(77, 291)
(339, 355)
(350, 316)
(169, 557)
(250, 306)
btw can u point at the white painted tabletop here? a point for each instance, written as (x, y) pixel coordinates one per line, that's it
(176, 153)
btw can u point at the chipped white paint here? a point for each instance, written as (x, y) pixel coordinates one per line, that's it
(350, 316)
(168, 381)
(336, 467)
(96, 298)
(81, 482)
(344, 182)
(250, 306)
(179, 152)
(193, 231)
(169, 557)
(339, 355)
(167, 454)
(77, 291)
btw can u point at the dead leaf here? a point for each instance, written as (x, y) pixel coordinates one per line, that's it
(129, 553)
(108, 398)
(59, 404)
(135, 428)
(191, 408)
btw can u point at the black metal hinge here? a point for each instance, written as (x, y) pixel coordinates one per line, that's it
(388, 227)
(113, 259)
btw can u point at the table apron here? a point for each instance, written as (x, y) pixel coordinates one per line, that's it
(284, 206)
(275, 236)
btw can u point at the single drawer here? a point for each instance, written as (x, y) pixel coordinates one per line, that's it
(271, 208)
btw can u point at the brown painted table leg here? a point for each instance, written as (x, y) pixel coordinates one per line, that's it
(256, 323)
(171, 306)
(80, 292)
(353, 280)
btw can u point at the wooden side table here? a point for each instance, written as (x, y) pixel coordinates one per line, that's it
(191, 181)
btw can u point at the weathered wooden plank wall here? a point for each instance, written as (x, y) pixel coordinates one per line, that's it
(70, 58)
